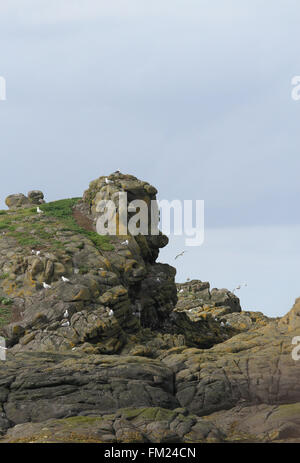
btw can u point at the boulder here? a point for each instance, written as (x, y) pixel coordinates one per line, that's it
(36, 197)
(17, 201)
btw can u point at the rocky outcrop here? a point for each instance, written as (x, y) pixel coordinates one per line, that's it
(113, 288)
(116, 352)
(19, 200)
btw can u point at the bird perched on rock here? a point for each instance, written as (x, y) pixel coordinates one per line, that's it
(38, 253)
(65, 280)
(181, 291)
(67, 323)
(180, 255)
(125, 243)
(222, 324)
(66, 314)
(39, 211)
(107, 181)
(111, 313)
(46, 286)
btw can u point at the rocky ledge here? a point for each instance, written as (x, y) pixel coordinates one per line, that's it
(104, 346)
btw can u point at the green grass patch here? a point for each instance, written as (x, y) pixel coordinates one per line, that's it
(63, 210)
(5, 301)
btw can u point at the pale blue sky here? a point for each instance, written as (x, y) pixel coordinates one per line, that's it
(193, 96)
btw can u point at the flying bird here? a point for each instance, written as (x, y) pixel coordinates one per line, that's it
(180, 255)
(239, 287)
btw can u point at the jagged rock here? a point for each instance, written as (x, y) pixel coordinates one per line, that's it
(126, 279)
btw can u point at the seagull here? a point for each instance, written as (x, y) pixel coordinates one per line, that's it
(46, 286)
(181, 291)
(108, 181)
(125, 243)
(239, 287)
(111, 313)
(66, 314)
(157, 279)
(67, 323)
(39, 211)
(222, 324)
(65, 280)
(38, 253)
(180, 255)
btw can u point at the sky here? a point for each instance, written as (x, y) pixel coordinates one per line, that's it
(193, 96)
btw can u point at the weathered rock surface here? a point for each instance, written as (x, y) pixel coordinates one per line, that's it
(118, 352)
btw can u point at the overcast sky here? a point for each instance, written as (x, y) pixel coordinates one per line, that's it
(193, 96)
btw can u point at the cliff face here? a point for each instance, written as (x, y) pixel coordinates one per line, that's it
(119, 352)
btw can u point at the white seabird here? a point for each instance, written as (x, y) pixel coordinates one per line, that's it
(39, 211)
(111, 313)
(66, 314)
(65, 280)
(125, 243)
(46, 286)
(107, 181)
(67, 323)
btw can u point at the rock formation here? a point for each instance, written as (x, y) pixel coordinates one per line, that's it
(115, 351)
